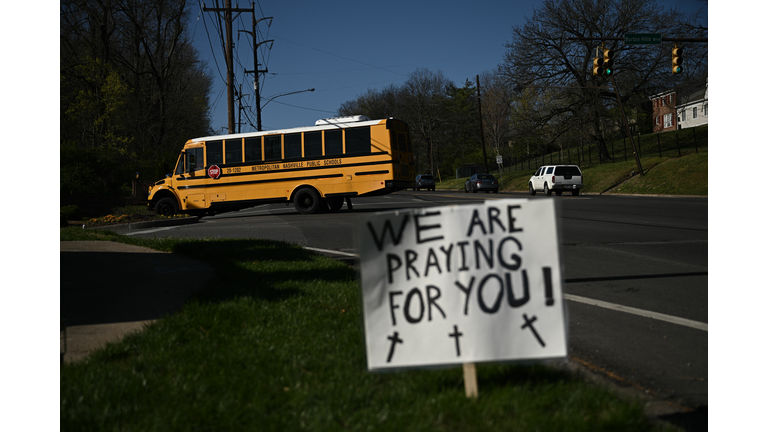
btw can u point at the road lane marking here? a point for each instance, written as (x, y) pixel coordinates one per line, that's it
(150, 230)
(639, 312)
(332, 252)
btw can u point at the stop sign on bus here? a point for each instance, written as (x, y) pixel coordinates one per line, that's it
(214, 171)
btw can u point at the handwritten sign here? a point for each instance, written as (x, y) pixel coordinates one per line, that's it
(462, 284)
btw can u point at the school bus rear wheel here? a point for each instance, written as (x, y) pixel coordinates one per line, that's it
(306, 201)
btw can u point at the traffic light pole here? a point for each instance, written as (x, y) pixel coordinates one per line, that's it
(664, 39)
(626, 124)
(597, 69)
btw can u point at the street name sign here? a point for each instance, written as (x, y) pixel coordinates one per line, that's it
(642, 38)
(462, 284)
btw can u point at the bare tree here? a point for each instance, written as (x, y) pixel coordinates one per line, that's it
(425, 94)
(496, 108)
(542, 56)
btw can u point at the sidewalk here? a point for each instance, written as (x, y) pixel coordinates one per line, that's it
(111, 289)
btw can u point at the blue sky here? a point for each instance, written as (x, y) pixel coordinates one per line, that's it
(343, 48)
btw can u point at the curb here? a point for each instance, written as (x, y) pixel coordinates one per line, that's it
(163, 223)
(150, 224)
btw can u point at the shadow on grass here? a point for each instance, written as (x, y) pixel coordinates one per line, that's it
(263, 269)
(492, 376)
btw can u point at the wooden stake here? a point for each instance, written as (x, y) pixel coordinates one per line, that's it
(470, 380)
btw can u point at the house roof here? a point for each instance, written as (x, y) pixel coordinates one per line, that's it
(692, 92)
(687, 93)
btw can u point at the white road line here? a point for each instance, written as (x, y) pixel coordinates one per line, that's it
(640, 312)
(150, 230)
(332, 252)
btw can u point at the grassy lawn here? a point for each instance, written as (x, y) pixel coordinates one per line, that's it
(275, 342)
(663, 176)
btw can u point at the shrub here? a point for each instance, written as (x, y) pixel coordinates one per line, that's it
(68, 213)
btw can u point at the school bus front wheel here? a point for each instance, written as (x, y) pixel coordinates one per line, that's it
(166, 207)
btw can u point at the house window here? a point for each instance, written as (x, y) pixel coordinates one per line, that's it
(694, 112)
(682, 113)
(667, 120)
(657, 120)
(664, 101)
(705, 110)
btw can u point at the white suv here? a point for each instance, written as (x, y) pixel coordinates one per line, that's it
(556, 178)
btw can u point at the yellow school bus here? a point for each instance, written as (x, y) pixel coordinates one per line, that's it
(317, 168)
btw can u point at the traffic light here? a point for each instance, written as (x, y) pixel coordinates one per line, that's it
(597, 66)
(608, 62)
(677, 60)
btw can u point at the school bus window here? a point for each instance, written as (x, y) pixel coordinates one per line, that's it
(313, 144)
(180, 164)
(401, 142)
(213, 152)
(234, 151)
(293, 146)
(194, 159)
(272, 150)
(253, 149)
(358, 140)
(333, 143)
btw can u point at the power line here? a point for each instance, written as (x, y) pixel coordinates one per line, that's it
(213, 51)
(342, 57)
(305, 108)
(228, 50)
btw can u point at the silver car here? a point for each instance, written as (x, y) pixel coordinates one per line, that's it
(425, 181)
(482, 182)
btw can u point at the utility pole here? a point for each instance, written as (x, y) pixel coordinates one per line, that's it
(256, 70)
(480, 113)
(227, 9)
(240, 108)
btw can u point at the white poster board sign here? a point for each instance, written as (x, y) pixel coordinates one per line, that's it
(462, 284)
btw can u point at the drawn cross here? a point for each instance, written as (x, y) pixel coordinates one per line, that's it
(456, 334)
(529, 324)
(395, 340)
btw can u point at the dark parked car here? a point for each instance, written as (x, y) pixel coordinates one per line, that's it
(425, 181)
(482, 182)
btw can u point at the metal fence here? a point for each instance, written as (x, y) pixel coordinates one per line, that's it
(665, 144)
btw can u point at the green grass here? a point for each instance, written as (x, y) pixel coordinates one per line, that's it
(680, 170)
(275, 342)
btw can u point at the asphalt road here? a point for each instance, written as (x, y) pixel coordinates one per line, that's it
(635, 273)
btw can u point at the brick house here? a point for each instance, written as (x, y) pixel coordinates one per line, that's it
(682, 107)
(664, 116)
